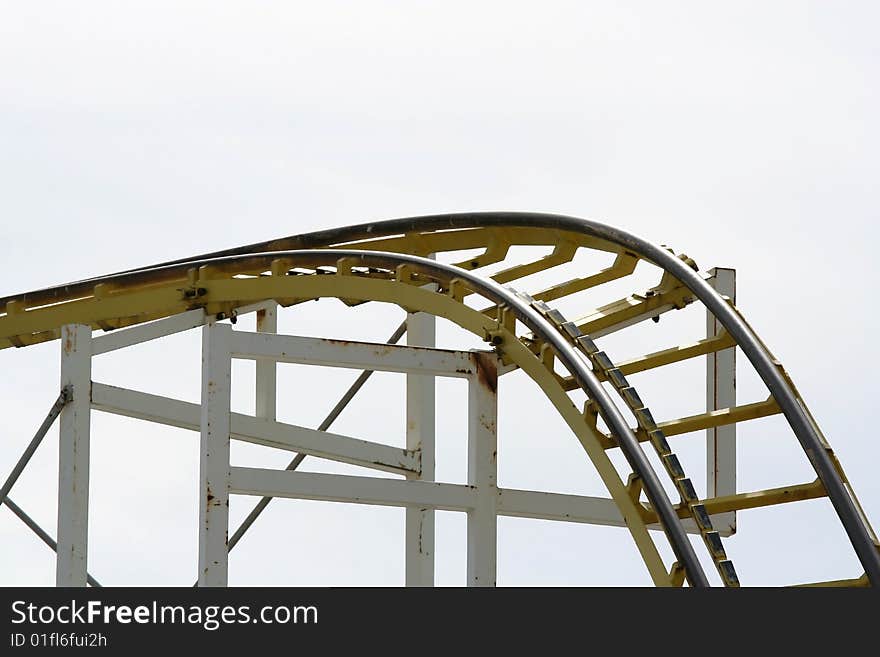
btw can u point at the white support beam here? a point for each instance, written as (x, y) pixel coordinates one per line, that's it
(267, 374)
(563, 507)
(145, 406)
(353, 355)
(482, 521)
(323, 444)
(73, 457)
(214, 463)
(278, 435)
(420, 438)
(122, 338)
(721, 393)
(539, 505)
(350, 489)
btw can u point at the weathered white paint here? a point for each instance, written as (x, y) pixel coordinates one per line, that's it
(122, 338)
(214, 455)
(73, 457)
(420, 437)
(482, 521)
(353, 355)
(289, 437)
(267, 373)
(351, 489)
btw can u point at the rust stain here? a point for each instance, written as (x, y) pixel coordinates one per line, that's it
(337, 341)
(487, 372)
(378, 350)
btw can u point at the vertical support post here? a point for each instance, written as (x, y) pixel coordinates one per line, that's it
(214, 455)
(721, 393)
(482, 521)
(266, 378)
(420, 435)
(73, 457)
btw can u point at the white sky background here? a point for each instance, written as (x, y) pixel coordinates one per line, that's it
(744, 135)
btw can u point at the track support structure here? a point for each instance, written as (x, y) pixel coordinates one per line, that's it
(73, 457)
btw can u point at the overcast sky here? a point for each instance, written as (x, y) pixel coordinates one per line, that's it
(744, 134)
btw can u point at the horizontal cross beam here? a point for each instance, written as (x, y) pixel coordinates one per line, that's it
(259, 431)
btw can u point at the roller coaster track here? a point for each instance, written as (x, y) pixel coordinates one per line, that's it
(391, 262)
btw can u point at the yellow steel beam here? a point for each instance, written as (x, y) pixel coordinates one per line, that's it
(634, 307)
(495, 251)
(666, 357)
(677, 354)
(677, 574)
(720, 417)
(417, 243)
(562, 253)
(717, 418)
(625, 312)
(624, 265)
(470, 238)
(751, 500)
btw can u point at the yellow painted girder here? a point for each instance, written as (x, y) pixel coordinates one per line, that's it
(751, 500)
(470, 238)
(562, 253)
(499, 240)
(665, 357)
(624, 265)
(720, 417)
(676, 354)
(717, 418)
(633, 307)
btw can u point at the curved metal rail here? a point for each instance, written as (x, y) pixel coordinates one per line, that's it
(143, 294)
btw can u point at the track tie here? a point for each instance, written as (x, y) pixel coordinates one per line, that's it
(688, 492)
(618, 380)
(631, 397)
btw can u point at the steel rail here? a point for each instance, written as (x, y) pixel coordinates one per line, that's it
(806, 433)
